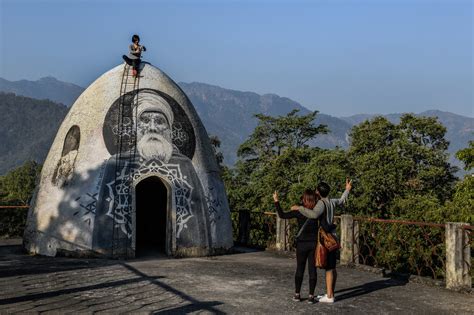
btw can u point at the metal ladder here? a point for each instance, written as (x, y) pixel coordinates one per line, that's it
(125, 158)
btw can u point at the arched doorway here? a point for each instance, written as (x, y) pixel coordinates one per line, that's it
(151, 208)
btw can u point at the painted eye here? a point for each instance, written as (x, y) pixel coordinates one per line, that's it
(161, 121)
(145, 119)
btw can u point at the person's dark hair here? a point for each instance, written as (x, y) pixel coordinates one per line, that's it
(135, 37)
(308, 199)
(323, 189)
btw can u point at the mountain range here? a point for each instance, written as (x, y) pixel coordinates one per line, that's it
(44, 88)
(28, 128)
(218, 108)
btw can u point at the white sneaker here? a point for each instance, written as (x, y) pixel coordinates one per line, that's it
(320, 296)
(325, 299)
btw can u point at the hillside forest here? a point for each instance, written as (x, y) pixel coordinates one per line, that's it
(398, 170)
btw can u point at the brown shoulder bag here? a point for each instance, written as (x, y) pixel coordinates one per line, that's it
(321, 253)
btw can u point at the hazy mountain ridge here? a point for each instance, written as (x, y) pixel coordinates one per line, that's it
(44, 88)
(227, 113)
(28, 129)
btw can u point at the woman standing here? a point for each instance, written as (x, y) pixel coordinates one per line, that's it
(305, 243)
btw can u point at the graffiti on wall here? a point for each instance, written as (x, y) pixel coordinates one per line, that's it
(88, 207)
(213, 205)
(118, 196)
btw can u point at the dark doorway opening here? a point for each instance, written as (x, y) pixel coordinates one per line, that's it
(151, 205)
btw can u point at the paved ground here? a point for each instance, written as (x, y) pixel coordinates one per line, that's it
(257, 282)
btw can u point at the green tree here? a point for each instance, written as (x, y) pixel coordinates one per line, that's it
(461, 207)
(275, 134)
(258, 169)
(376, 164)
(17, 186)
(467, 156)
(285, 174)
(272, 158)
(399, 160)
(330, 166)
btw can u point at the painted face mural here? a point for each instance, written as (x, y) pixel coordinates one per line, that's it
(154, 137)
(154, 127)
(145, 104)
(164, 147)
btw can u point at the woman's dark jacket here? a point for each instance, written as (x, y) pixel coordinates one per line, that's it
(310, 230)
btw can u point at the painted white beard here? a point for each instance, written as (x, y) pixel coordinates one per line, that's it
(155, 146)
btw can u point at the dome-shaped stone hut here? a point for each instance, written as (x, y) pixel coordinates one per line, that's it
(131, 168)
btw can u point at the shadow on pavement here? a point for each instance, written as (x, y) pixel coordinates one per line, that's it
(195, 304)
(15, 262)
(46, 295)
(369, 287)
(190, 308)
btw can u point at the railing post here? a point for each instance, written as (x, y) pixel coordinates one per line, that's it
(347, 239)
(458, 257)
(355, 241)
(281, 239)
(244, 227)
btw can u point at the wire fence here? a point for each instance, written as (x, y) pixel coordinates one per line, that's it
(407, 247)
(259, 230)
(254, 229)
(402, 246)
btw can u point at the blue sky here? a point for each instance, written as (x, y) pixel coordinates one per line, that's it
(338, 57)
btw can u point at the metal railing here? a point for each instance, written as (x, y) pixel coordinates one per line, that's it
(254, 229)
(261, 230)
(401, 246)
(408, 247)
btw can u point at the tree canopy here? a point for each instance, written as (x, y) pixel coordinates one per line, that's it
(17, 186)
(399, 170)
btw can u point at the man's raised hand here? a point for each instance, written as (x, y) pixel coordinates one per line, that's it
(348, 183)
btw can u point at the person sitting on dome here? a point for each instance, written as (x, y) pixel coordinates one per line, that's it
(134, 54)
